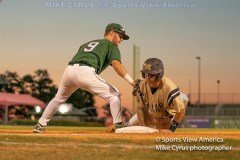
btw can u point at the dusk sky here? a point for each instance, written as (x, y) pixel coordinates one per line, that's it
(45, 35)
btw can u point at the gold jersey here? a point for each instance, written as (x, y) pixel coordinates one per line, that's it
(164, 103)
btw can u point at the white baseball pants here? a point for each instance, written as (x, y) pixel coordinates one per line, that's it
(84, 77)
(133, 121)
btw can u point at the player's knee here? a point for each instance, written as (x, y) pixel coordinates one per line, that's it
(114, 98)
(60, 98)
(115, 92)
(114, 95)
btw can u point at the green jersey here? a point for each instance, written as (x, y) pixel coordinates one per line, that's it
(98, 54)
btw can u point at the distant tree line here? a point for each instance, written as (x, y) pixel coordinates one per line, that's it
(41, 86)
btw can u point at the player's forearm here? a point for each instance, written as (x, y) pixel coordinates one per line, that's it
(121, 71)
(179, 116)
(140, 116)
(118, 67)
(177, 119)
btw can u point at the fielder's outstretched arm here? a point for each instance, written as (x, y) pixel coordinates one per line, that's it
(121, 71)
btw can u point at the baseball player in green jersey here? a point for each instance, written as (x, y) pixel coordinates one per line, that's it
(158, 99)
(83, 72)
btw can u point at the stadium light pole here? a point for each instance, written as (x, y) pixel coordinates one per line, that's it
(199, 81)
(218, 91)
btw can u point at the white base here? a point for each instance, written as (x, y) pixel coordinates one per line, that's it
(136, 129)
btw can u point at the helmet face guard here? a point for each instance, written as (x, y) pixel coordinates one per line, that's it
(153, 66)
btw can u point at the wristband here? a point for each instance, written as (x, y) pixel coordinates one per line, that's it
(128, 78)
(173, 126)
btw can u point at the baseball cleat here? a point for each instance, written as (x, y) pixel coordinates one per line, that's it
(113, 127)
(38, 128)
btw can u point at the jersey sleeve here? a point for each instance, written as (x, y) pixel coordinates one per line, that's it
(178, 104)
(114, 54)
(175, 100)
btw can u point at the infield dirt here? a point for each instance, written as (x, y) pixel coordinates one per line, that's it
(18, 142)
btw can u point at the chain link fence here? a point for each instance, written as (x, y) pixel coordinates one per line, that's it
(214, 98)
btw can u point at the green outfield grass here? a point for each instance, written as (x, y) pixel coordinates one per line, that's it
(92, 143)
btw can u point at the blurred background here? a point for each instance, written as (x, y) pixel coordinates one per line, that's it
(198, 42)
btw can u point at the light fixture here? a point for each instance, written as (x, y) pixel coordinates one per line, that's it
(38, 109)
(65, 108)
